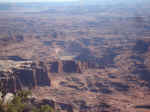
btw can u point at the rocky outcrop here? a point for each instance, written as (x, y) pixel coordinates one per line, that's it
(27, 74)
(64, 66)
(23, 74)
(69, 66)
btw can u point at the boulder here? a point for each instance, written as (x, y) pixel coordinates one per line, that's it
(8, 98)
(1, 96)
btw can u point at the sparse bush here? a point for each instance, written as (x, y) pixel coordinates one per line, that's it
(20, 104)
(46, 108)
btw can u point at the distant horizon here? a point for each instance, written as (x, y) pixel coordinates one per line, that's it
(32, 1)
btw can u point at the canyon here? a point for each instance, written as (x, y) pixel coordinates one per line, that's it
(27, 74)
(78, 57)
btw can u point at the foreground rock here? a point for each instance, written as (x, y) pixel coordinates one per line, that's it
(8, 98)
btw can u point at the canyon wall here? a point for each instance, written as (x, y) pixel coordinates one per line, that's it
(17, 75)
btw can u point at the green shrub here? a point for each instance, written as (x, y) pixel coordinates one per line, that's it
(20, 104)
(46, 108)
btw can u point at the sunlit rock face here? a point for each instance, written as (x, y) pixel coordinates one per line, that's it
(0, 96)
(8, 98)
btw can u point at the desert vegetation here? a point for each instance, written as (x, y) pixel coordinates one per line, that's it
(77, 57)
